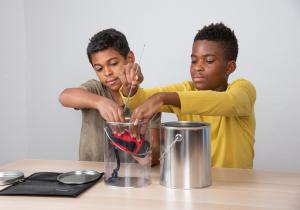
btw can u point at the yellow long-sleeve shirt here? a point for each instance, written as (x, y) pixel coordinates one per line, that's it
(230, 113)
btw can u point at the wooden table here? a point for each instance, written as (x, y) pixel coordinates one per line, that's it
(232, 189)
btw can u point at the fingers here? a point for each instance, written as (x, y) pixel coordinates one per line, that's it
(136, 122)
(107, 116)
(115, 114)
(139, 119)
(143, 129)
(132, 74)
(121, 115)
(133, 127)
(143, 161)
(128, 70)
(111, 112)
(139, 114)
(122, 76)
(133, 131)
(138, 78)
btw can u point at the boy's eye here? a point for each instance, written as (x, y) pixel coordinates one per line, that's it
(209, 60)
(97, 68)
(194, 61)
(113, 63)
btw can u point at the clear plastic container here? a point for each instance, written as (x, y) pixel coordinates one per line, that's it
(127, 154)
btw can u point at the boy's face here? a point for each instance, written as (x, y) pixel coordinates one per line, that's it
(108, 64)
(209, 68)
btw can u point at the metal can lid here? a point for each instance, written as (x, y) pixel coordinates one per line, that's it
(10, 177)
(78, 177)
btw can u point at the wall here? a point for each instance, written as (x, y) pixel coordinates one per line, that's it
(13, 82)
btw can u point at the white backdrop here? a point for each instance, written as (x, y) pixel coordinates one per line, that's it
(43, 51)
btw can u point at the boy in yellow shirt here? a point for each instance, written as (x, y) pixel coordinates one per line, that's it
(229, 108)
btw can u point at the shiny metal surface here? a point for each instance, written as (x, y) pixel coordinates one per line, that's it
(186, 163)
(10, 177)
(78, 177)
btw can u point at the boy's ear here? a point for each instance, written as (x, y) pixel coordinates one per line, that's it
(130, 57)
(231, 66)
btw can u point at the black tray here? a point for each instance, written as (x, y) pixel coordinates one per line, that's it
(46, 184)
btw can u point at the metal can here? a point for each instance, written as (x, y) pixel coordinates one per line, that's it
(185, 160)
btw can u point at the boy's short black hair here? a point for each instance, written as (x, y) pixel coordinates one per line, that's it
(108, 38)
(220, 33)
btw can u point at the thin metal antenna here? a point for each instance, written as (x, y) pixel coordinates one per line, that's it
(131, 86)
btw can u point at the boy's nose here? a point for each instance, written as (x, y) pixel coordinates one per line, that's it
(107, 71)
(199, 65)
(199, 68)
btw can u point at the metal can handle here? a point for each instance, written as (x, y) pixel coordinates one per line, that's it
(178, 138)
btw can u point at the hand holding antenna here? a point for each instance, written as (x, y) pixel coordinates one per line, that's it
(131, 86)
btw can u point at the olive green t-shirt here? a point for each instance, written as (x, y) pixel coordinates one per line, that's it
(92, 137)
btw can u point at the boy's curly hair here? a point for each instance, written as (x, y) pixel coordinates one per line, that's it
(108, 38)
(220, 33)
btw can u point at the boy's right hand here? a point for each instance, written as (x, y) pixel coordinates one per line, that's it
(131, 76)
(110, 110)
(146, 111)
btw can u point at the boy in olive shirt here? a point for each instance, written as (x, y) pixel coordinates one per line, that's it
(109, 54)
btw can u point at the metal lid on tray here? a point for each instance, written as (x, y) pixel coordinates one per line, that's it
(78, 177)
(10, 177)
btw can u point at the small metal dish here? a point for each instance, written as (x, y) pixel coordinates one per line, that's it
(79, 177)
(10, 177)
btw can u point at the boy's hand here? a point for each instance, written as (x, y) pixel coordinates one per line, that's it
(152, 105)
(145, 111)
(110, 110)
(143, 161)
(131, 75)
